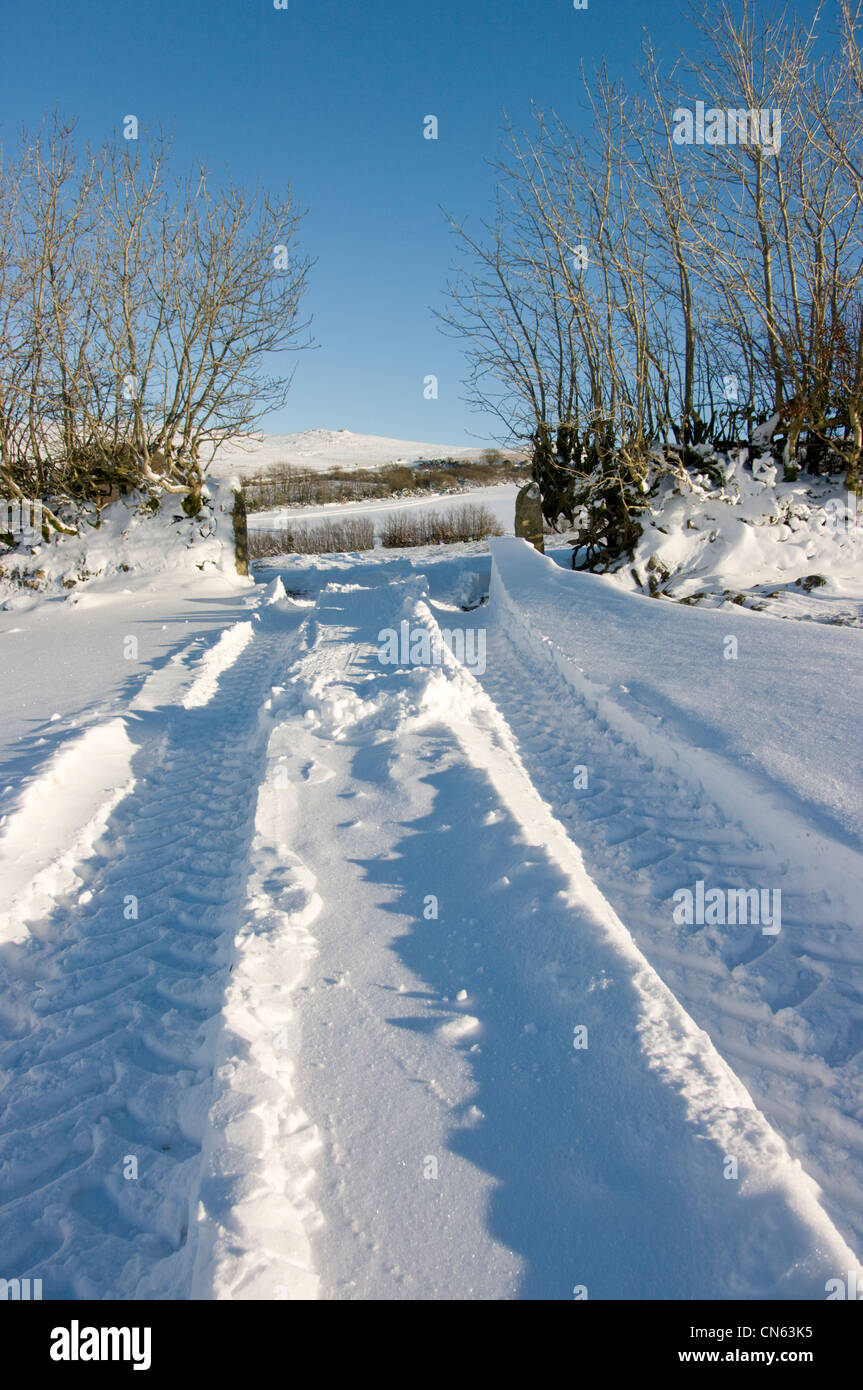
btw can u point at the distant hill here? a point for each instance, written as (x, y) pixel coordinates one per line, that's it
(325, 449)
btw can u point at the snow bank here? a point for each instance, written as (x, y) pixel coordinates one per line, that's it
(132, 539)
(57, 823)
(721, 687)
(794, 548)
(720, 746)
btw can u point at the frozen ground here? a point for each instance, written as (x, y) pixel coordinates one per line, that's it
(327, 977)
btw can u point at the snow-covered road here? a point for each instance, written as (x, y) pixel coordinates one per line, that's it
(359, 980)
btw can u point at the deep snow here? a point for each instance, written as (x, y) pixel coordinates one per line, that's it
(298, 945)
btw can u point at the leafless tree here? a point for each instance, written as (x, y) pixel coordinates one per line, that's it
(627, 271)
(141, 316)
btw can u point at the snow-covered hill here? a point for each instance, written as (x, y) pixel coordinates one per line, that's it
(320, 450)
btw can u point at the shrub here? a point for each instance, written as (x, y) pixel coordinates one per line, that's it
(469, 523)
(328, 537)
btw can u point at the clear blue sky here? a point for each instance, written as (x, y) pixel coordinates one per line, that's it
(330, 96)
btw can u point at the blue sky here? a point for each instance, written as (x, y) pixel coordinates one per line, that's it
(330, 96)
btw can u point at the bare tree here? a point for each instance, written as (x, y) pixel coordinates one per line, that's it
(141, 316)
(628, 270)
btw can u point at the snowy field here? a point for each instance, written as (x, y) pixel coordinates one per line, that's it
(499, 499)
(342, 954)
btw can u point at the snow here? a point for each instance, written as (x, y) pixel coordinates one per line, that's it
(756, 539)
(743, 772)
(499, 498)
(321, 450)
(129, 540)
(82, 783)
(216, 660)
(727, 721)
(323, 977)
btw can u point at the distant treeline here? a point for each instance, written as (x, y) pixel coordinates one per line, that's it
(286, 486)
